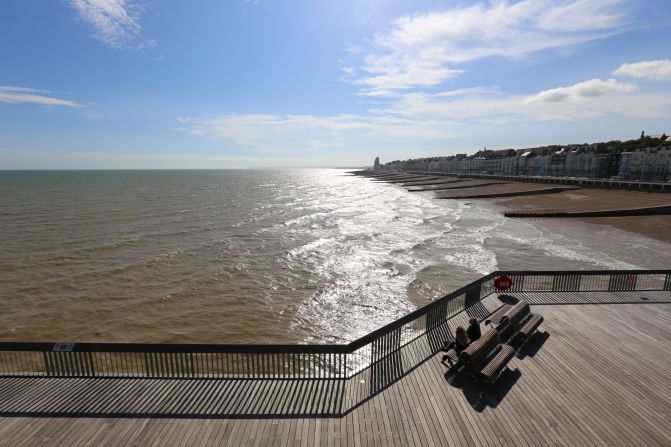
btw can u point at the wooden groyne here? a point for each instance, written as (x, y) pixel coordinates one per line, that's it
(432, 182)
(631, 185)
(531, 192)
(647, 211)
(412, 180)
(449, 187)
(402, 179)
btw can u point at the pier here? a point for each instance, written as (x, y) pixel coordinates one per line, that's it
(596, 373)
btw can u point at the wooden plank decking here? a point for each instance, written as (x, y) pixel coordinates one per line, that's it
(599, 375)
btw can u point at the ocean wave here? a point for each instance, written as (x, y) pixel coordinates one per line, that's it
(310, 247)
(303, 219)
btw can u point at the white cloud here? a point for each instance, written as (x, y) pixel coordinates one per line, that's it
(9, 88)
(419, 120)
(585, 100)
(582, 90)
(424, 50)
(310, 133)
(115, 22)
(468, 91)
(659, 70)
(14, 95)
(581, 15)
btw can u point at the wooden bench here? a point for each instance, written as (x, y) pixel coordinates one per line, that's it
(486, 357)
(495, 318)
(451, 355)
(520, 322)
(509, 322)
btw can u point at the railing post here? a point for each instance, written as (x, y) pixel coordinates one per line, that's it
(436, 317)
(621, 282)
(90, 364)
(47, 363)
(566, 283)
(472, 296)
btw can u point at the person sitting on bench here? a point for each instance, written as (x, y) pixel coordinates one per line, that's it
(460, 341)
(473, 330)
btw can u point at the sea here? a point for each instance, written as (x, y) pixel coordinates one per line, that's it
(257, 256)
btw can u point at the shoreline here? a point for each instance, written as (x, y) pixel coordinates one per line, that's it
(657, 227)
(526, 197)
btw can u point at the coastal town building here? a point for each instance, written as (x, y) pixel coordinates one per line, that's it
(647, 158)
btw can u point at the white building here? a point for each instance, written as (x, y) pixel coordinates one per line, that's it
(625, 165)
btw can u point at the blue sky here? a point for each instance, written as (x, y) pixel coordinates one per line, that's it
(234, 84)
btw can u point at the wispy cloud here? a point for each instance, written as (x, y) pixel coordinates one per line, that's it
(311, 133)
(115, 22)
(469, 91)
(419, 119)
(14, 95)
(583, 90)
(425, 50)
(659, 70)
(585, 100)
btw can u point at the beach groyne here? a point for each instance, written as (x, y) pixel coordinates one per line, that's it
(604, 183)
(449, 187)
(646, 211)
(432, 182)
(530, 192)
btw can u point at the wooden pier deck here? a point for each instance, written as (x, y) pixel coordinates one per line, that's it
(596, 374)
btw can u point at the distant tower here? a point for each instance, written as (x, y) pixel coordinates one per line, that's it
(643, 134)
(376, 165)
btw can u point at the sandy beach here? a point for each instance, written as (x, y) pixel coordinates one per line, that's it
(573, 199)
(656, 227)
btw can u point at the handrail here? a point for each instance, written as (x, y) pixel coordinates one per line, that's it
(181, 347)
(581, 272)
(422, 310)
(310, 348)
(304, 361)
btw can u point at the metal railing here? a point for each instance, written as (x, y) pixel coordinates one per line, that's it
(332, 362)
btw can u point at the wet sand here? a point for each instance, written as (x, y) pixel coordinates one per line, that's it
(656, 227)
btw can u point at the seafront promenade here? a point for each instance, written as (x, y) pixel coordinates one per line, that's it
(597, 373)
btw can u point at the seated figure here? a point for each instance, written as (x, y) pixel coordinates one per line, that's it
(473, 330)
(460, 341)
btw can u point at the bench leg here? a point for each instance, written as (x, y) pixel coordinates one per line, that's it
(449, 363)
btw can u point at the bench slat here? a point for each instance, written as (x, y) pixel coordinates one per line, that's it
(497, 363)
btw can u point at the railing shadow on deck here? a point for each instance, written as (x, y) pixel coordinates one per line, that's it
(561, 298)
(213, 398)
(179, 398)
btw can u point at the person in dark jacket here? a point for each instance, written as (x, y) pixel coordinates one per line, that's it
(473, 330)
